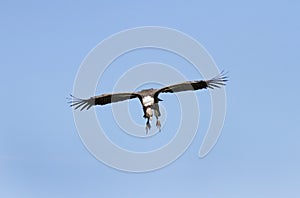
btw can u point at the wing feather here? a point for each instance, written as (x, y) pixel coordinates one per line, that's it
(215, 82)
(100, 100)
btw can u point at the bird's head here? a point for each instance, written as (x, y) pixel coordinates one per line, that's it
(149, 113)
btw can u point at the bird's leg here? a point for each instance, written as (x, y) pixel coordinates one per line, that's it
(157, 114)
(158, 125)
(148, 126)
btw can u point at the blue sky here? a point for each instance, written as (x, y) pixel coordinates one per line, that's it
(43, 45)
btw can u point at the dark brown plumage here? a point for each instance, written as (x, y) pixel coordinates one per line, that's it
(149, 97)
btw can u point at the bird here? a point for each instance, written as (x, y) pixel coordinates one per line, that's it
(149, 97)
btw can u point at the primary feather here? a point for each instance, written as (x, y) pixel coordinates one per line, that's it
(104, 99)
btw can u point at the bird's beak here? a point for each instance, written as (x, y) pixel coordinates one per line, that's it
(160, 99)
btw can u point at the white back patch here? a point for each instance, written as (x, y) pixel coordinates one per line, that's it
(148, 101)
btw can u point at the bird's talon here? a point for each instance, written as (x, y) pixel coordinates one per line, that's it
(147, 130)
(148, 127)
(158, 125)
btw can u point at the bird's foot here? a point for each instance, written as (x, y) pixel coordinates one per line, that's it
(148, 127)
(158, 125)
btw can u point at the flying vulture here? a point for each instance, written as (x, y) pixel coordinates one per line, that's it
(149, 97)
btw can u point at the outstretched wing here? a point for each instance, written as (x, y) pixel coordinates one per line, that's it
(100, 100)
(215, 82)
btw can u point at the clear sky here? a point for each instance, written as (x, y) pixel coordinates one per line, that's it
(43, 45)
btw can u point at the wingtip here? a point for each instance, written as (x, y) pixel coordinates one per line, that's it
(218, 81)
(224, 75)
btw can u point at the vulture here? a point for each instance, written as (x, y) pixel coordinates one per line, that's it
(149, 97)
